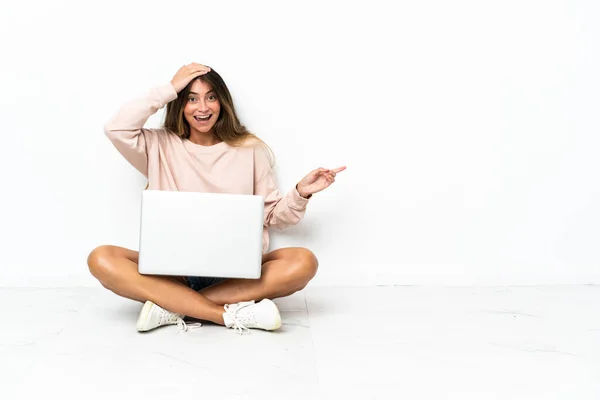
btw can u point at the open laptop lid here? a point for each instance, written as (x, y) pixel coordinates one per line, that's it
(201, 234)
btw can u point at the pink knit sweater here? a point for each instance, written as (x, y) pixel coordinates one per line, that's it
(172, 163)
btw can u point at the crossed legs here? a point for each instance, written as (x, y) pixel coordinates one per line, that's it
(284, 271)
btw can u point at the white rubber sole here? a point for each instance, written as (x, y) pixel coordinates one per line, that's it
(276, 322)
(143, 317)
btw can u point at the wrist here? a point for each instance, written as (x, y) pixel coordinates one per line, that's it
(302, 193)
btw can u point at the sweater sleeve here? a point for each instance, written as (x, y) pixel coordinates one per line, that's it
(280, 211)
(125, 128)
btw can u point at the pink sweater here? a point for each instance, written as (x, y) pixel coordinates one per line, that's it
(172, 163)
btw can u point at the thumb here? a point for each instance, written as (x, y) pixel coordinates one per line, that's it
(314, 174)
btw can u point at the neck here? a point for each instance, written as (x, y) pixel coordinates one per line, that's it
(204, 139)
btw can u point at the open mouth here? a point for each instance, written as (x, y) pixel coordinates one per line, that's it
(202, 118)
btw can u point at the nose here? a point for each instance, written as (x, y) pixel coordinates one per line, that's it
(202, 106)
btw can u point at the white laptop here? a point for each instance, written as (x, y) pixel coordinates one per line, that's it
(201, 234)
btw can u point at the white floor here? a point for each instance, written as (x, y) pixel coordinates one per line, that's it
(359, 343)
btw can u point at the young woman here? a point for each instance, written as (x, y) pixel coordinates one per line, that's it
(204, 147)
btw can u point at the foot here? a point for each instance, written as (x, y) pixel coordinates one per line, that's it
(153, 316)
(248, 314)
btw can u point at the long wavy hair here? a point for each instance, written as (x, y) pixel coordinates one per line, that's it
(228, 127)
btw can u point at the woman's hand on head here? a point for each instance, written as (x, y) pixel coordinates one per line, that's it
(186, 74)
(317, 180)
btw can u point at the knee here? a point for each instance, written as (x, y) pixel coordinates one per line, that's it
(100, 264)
(303, 266)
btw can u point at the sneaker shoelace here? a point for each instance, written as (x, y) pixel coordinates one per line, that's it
(167, 317)
(241, 320)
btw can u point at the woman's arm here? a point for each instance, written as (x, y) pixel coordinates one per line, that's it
(280, 211)
(125, 128)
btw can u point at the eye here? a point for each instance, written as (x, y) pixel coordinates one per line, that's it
(192, 99)
(212, 97)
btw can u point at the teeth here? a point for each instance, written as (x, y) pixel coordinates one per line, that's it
(202, 118)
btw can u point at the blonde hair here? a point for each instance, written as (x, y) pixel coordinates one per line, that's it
(228, 127)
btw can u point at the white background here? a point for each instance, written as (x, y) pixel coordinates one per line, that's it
(469, 129)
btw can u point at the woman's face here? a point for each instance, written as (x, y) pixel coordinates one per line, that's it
(202, 108)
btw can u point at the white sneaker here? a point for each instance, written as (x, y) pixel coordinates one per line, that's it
(153, 316)
(248, 314)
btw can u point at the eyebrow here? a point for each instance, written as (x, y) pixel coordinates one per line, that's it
(210, 91)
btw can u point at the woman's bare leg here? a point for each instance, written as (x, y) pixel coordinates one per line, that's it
(116, 269)
(284, 272)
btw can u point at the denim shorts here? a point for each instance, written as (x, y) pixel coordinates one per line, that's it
(198, 283)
